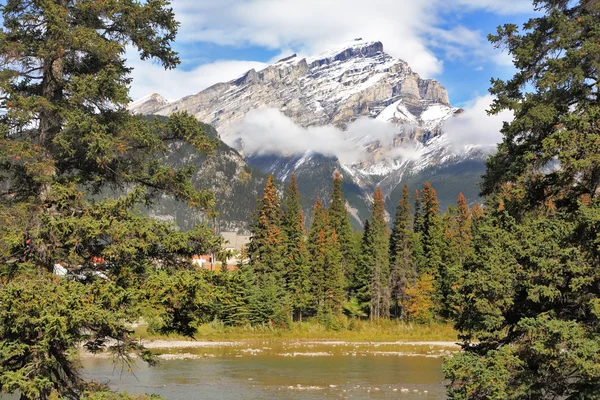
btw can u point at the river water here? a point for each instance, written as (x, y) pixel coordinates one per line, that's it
(283, 371)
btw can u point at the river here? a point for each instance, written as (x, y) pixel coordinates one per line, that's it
(283, 371)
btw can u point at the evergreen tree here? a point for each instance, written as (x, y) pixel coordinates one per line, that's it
(327, 273)
(433, 244)
(267, 247)
(431, 231)
(362, 277)
(378, 257)
(402, 261)
(418, 218)
(531, 295)
(66, 139)
(297, 256)
(317, 247)
(335, 281)
(463, 227)
(340, 223)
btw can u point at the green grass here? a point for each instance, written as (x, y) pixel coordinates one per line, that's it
(354, 331)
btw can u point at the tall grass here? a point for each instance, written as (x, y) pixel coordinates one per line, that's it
(346, 329)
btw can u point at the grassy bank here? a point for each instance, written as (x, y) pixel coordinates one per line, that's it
(356, 331)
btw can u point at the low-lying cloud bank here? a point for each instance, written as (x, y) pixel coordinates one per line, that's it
(269, 131)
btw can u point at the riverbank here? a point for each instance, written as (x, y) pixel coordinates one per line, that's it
(190, 349)
(362, 331)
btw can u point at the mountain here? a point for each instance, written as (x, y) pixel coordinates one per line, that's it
(236, 186)
(384, 123)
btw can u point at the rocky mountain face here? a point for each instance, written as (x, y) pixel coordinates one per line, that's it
(235, 185)
(338, 89)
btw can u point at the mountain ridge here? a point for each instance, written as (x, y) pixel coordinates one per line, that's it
(349, 89)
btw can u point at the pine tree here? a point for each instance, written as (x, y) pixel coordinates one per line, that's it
(326, 254)
(378, 256)
(267, 247)
(317, 247)
(340, 223)
(531, 292)
(418, 218)
(402, 261)
(463, 227)
(335, 281)
(431, 231)
(297, 256)
(364, 270)
(432, 245)
(67, 139)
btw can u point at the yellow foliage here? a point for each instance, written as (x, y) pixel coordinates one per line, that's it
(418, 303)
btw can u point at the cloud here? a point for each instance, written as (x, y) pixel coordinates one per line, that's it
(173, 84)
(408, 29)
(474, 127)
(419, 32)
(269, 131)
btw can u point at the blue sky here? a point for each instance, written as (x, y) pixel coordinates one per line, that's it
(445, 40)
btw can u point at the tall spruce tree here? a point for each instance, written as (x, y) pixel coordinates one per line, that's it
(432, 244)
(402, 261)
(340, 223)
(431, 231)
(418, 215)
(378, 257)
(66, 139)
(531, 296)
(319, 228)
(297, 256)
(361, 283)
(327, 273)
(463, 228)
(267, 247)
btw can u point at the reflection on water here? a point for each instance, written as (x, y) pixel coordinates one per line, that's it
(280, 372)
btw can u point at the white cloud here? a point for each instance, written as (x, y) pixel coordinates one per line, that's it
(409, 30)
(269, 131)
(173, 84)
(475, 127)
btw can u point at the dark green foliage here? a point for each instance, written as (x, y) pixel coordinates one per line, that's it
(327, 275)
(183, 300)
(431, 232)
(42, 321)
(340, 223)
(531, 290)
(557, 119)
(66, 138)
(403, 271)
(297, 257)
(373, 272)
(530, 295)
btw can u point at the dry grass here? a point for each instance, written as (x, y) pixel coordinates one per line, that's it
(350, 331)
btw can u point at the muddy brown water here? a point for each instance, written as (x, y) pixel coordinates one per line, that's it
(283, 371)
